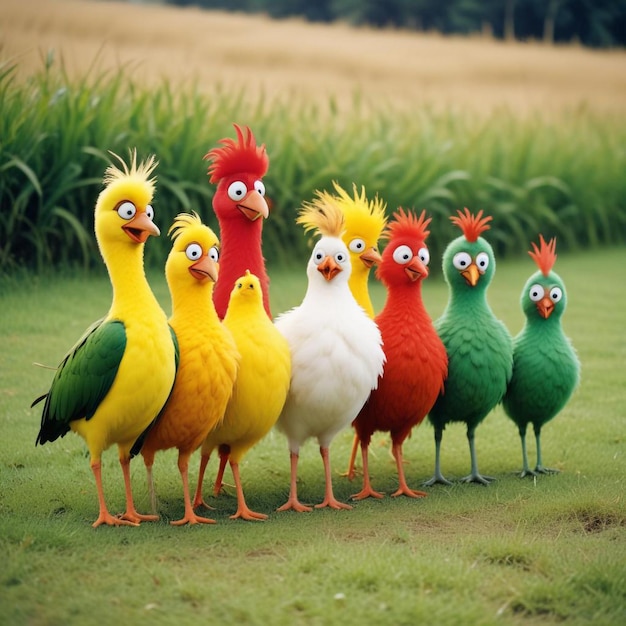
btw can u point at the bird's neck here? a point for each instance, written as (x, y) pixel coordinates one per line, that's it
(195, 301)
(468, 302)
(359, 288)
(128, 279)
(240, 251)
(407, 298)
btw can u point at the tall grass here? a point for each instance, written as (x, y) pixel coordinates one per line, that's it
(533, 174)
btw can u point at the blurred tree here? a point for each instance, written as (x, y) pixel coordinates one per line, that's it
(598, 23)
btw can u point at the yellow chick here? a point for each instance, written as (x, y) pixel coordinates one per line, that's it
(208, 355)
(260, 390)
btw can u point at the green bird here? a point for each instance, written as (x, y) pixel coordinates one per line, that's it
(479, 346)
(546, 369)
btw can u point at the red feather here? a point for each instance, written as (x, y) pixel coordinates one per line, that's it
(240, 238)
(417, 362)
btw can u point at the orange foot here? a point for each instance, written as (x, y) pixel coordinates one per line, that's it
(293, 504)
(136, 518)
(192, 518)
(366, 492)
(411, 493)
(333, 503)
(247, 514)
(110, 520)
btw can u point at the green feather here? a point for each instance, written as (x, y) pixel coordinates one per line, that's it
(546, 368)
(83, 379)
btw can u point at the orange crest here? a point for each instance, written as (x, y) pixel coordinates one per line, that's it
(545, 255)
(236, 157)
(405, 224)
(471, 225)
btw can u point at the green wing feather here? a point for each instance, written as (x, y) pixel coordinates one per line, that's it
(83, 379)
(136, 449)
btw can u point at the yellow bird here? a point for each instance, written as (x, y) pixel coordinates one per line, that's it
(260, 390)
(364, 221)
(208, 355)
(113, 383)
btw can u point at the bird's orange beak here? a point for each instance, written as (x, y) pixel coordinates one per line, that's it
(329, 268)
(471, 275)
(254, 206)
(140, 228)
(204, 269)
(416, 269)
(545, 306)
(370, 257)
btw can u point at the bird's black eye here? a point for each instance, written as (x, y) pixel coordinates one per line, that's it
(402, 255)
(126, 210)
(357, 245)
(260, 187)
(214, 254)
(149, 212)
(318, 255)
(424, 255)
(482, 261)
(536, 293)
(237, 190)
(340, 257)
(193, 251)
(461, 260)
(556, 294)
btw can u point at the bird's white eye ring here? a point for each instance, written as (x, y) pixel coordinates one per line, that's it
(127, 210)
(402, 255)
(214, 253)
(260, 187)
(318, 255)
(237, 190)
(536, 293)
(357, 245)
(424, 255)
(556, 293)
(150, 212)
(461, 260)
(193, 251)
(482, 261)
(340, 257)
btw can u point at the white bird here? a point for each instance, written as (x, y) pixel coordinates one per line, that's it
(336, 349)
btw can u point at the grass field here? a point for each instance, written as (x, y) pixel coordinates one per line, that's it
(549, 551)
(308, 61)
(519, 552)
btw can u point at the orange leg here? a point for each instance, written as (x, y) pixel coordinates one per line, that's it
(198, 500)
(131, 513)
(367, 491)
(104, 516)
(190, 517)
(293, 502)
(219, 479)
(329, 499)
(243, 511)
(351, 471)
(403, 488)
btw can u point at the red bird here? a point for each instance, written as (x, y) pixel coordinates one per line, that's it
(417, 363)
(240, 207)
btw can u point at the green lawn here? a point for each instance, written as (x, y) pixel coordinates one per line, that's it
(548, 551)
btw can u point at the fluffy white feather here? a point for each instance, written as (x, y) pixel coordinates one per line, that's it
(336, 349)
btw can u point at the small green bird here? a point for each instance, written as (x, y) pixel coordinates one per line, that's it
(479, 346)
(546, 369)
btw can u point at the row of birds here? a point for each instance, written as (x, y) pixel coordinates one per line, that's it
(220, 373)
